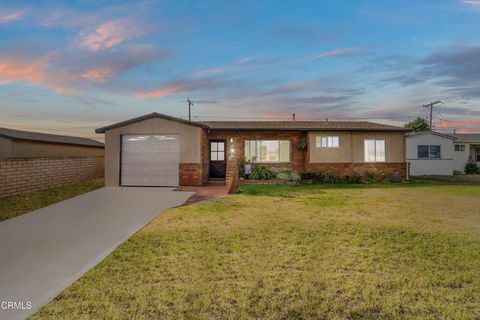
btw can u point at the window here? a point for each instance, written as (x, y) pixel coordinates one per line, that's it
(267, 150)
(460, 147)
(374, 150)
(477, 156)
(217, 150)
(327, 142)
(429, 152)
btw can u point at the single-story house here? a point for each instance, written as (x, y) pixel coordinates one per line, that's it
(434, 153)
(467, 149)
(26, 144)
(160, 150)
(430, 153)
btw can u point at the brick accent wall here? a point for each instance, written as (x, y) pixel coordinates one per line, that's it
(231, 176)
(297, 157)
(20, 175)
(191, 174)
(399, 169)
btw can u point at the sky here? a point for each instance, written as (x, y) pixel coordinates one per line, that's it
(68, 67)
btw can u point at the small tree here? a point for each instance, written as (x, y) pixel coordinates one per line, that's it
(418, 125)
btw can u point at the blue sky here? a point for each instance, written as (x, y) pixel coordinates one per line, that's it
(69, 67)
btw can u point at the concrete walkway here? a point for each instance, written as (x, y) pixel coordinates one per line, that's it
(43, 252)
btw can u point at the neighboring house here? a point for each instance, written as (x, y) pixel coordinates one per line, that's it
(467, 148)
(434, 153)
(430, 153)
(25, 144)
(160, 150)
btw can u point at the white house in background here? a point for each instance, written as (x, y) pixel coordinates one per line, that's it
(430, 153)
(467, 148)
(433, 153)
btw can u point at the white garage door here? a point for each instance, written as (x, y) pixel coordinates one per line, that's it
(150, 160)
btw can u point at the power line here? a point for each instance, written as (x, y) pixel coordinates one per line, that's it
(431, 104)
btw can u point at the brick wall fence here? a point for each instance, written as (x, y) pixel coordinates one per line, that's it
(19, 175)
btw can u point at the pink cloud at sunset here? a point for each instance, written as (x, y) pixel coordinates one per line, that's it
(16, 70)
(111, 33)
(160, 92)
(98, 75)
(12, 16)
(462, 126)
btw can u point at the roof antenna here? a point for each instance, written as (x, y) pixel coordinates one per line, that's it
(190, 105)
(293, 117)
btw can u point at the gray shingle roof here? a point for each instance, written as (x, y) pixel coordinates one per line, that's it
(301, 125)
(266, 125)
(467, 137)
(50, 138)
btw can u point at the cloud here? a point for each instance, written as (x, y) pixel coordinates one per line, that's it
(180, 86)
(98, 74)
(472, 2)
(112, 33)
(456, 70)
(67, 73)
(337, 53)
(12, 16)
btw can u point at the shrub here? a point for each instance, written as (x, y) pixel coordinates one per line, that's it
(241, 167)
(262, 173)
(390, 176)
(329, 176)
(354, 178)
(371, 176)
(288, 175)
(472, 168)
(316, 176)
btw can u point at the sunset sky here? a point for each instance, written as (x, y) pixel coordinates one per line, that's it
(70, 67)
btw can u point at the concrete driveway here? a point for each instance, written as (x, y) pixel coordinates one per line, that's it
(43, 252)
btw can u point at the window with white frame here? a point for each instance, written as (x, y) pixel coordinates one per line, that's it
(460, 147)
(267, 150)
(327, 142)
(428, 152)
(374, 150)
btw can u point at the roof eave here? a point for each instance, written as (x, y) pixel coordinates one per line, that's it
(56, 142)
(310, 129)
(149, 116)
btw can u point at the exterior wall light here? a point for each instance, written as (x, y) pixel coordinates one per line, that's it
(232, 149)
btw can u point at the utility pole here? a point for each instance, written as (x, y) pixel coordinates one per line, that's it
(431, 104)
(190, 105)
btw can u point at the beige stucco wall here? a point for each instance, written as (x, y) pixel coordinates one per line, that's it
(189, 143)
(24, 149)
(351, 146)
(5, 148)
(394, 145)
(329, 155)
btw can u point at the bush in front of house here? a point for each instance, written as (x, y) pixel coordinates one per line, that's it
(329, 176)
(289, 175)
(472, 168)
(262, 173)
(371, 176)
(354, 178)
(316, 176)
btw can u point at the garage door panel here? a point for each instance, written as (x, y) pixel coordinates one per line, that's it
(150, 160)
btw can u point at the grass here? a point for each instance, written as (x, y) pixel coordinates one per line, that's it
(295, 252)
(14, 206)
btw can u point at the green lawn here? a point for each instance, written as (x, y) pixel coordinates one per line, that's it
(17, 205)
(295, 252)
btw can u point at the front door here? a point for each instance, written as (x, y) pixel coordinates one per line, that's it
(218, 162)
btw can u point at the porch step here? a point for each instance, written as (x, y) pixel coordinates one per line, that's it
(216, 182)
